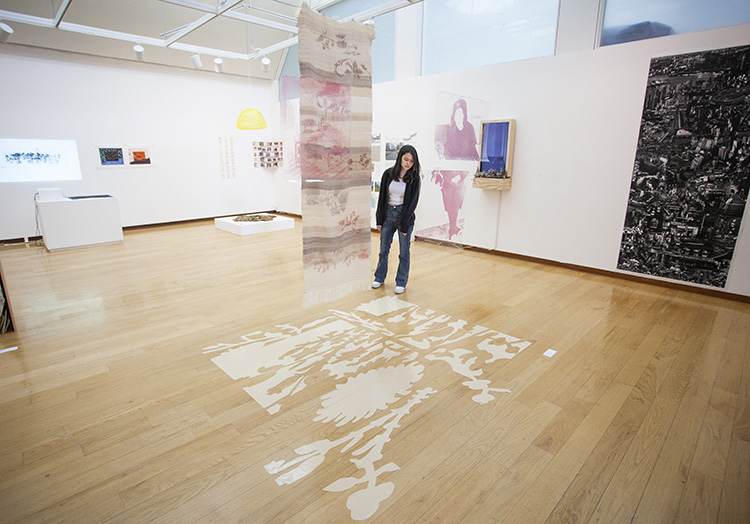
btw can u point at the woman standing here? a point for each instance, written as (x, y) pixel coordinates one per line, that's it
(397, 200)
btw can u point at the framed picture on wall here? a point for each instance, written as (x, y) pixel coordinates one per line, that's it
(139, 156)
(110, 156)
(268, 154)
(496, 160)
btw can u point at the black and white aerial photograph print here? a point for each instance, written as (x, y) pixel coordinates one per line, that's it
(692, 168)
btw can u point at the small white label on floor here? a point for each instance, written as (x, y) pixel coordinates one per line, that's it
(9, 349)
(549, 353)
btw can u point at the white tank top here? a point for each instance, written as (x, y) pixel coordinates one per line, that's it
(396, 191)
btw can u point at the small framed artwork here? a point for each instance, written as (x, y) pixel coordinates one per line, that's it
(139, 156)
(496, 160)
(268, 154)
(392, 149)
(110, 156)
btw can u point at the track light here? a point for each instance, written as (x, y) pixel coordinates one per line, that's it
(265, 64)
(196, 59)
(218, 65)
(139, 52)
(6, 32)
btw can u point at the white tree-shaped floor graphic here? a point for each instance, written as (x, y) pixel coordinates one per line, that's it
(375, 358)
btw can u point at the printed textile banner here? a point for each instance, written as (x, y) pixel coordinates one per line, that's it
(335, 155)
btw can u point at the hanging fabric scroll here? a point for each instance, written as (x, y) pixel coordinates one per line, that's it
(335, 155)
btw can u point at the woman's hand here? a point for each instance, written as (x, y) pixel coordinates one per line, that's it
(379, 227)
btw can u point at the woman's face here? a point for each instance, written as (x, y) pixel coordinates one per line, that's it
(458, 118)
(407, 160)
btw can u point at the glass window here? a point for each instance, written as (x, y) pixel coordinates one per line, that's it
(459, 34)
(291, 63)
(630, 20)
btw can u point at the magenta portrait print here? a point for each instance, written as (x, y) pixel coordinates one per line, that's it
(452, 184)
(691, 175)
(457, 126)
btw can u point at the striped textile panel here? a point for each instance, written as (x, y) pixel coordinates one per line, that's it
(335, 155)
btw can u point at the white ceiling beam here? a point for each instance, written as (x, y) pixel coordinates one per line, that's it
(227, 11)
(186, 30)
(9, 16)
(61, 12)
(229, 4)
(209, 51)
(257, 53)
(112, 35)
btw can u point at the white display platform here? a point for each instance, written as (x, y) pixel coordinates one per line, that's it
(250, 228)
(79, 222)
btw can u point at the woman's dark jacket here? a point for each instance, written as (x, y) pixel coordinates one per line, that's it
(411, 197)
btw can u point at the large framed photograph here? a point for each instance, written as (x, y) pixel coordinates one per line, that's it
(496, 159)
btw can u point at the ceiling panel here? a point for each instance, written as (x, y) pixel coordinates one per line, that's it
(110, 28)
(140, 17)
(41, 8)
(234, 35)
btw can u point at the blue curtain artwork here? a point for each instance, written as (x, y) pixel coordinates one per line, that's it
(494, 145)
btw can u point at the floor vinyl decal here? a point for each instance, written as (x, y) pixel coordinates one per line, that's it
(370, 363)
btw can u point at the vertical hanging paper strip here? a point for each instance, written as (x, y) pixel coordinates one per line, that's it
(335, 155)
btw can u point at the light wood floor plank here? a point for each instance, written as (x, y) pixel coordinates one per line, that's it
(540, 499)
(661, 498)
(584, 494)
(620, 500)
(735, 497)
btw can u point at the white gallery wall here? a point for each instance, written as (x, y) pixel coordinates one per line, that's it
(577, 118)
(201, 163)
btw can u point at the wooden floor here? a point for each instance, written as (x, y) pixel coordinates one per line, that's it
(112, 410)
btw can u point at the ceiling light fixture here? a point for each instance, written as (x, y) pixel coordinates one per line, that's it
(139, 52)
(6, 32)
(196, 59)
(218, 65)
(265, 64)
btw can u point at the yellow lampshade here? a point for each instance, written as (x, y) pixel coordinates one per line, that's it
(251, 119)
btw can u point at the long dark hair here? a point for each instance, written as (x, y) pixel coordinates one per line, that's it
(413, 171)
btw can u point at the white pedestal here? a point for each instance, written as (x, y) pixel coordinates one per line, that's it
(80, 222)
(250, 228)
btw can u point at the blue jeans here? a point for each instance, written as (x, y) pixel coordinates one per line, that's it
(392, 222)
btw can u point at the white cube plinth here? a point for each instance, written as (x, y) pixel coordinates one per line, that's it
(250, 228)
